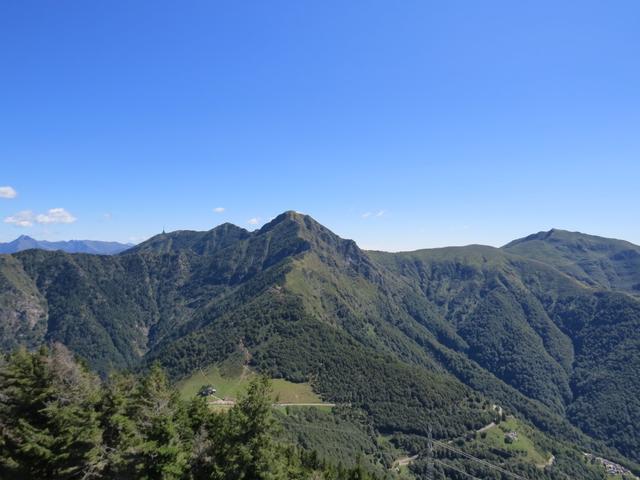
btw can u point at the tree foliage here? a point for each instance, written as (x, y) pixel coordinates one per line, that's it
(58, 421)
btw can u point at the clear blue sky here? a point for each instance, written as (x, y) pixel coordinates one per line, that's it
(449, 122)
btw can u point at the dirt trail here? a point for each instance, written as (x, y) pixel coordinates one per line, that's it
(403, 461)
(498, 409)
(486, 427)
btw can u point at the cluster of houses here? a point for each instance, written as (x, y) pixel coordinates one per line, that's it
(612, 468)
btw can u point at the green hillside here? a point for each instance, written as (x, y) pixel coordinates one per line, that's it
(541, 332)
(410, 341)
(595, 261)
(230, 387)
(522, 445)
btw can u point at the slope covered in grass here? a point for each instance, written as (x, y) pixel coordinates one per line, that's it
(231, 386)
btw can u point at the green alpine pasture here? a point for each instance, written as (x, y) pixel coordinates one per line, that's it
(524, 447)
(232, 383)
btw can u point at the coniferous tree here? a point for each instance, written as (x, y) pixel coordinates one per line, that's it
(162, 454)
(25, 390)
(73, 419)
(249, 448)
(58, 421)
(120, 434)
(207, 428)
(49, 424)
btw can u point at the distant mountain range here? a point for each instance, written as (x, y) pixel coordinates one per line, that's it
(548, 327)
(96, 247)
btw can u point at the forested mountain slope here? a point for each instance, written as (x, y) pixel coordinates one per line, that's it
(572, 348)
(412, 339)
(596, 261)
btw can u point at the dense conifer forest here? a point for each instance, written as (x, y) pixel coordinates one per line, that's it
(60, 421)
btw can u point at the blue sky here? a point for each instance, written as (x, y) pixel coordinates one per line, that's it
(399, 124)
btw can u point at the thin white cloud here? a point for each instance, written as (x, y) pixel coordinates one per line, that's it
(253, 221)
(218, 209)
(378, 214)
(21, 219)
(8, 192)
(107, 216)
(55, 215)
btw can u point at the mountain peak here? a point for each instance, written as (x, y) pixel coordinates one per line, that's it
(295, 221)
(287, 216)
(542, 236)
(568, 237)
(593, 260)
(302, 225)
(200, 243)
(227, 227)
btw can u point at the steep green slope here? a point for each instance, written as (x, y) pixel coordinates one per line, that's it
(596, 261)
(479, 290)
(539, 331)
(412, 340)
(341, 353)
(23, 309)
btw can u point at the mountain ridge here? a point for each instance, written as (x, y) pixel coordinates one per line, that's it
(310, 306)
(96, 247)
(595, 261)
